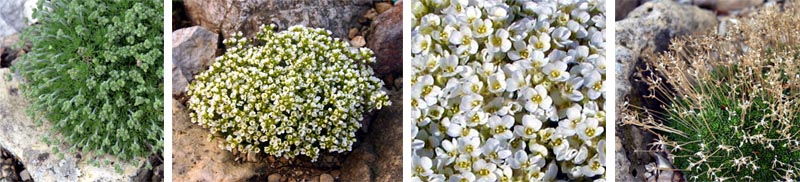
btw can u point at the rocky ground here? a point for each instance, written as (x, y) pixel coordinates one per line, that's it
(643, 28)
(377, 156)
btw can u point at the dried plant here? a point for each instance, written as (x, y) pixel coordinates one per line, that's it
(729, 103)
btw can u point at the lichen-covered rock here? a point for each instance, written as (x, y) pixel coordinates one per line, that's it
(193, 50)
(230, 16)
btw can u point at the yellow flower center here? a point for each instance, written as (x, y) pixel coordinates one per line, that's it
(482, 29)
(537, 99)
(538, 45)
(524, 54)
(597, 86)
(483, 172)
(555, 74)
(499, 130)
(529, 131)
(590, 131)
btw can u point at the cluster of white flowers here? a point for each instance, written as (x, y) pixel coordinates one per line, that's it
(295, 92)
(508, 90)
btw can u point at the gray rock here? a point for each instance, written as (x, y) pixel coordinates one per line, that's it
(193, 50)
(15, 15)
(230, 16)
(623, 7)
(22, 138)
(649, 29)
(25, 175)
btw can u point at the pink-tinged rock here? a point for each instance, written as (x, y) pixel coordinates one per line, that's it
(386, 40)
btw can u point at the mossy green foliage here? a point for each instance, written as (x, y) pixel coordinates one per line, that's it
(288, 93)
(95, 72)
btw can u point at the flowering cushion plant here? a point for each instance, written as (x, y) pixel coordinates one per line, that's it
(94, 73)
(508, 90)
(289, 93)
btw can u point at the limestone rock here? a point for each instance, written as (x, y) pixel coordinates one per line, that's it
(230, 16)
(727, 6)
(193, 50)
(22, 138)
(649, 29)
(15, 15)
(386, 40)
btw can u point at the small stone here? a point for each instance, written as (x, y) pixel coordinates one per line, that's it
(353, 32)
(251, 157)
(325, 178)
(358, 42)
(398, 83)
(274, 178)
(371, 14)
(25, 176)
(382, 7)
(336, 173)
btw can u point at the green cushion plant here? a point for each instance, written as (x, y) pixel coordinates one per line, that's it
(95, 72)
(288, 93)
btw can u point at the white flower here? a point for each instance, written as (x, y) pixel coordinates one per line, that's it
(484, 170)
(530, 126)
(540, 43)
(594, 168)
(482, 28)
(594, 85)
(500, 127)
(556, 71)
(471, 102)
(571, 89)
(498, 42)
(495, 151)
(449, 64)
(469, 146)
(422, 166)
(521, 51)
(472, 85)
(422, 44)
(460, 129)
(447, 152)
(428, 92)
(589, 129)
(497, 13)
(463, 38)
(561, 37)
(497, 82)
(536, 98)
(463, 177)
(522, 161)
